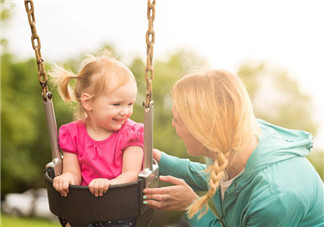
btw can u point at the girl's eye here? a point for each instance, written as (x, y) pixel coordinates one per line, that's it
(116, 104)
(130, 104)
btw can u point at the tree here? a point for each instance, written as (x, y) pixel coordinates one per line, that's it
(166, 73)
(5, 16)
(277, 98)
(18, 128)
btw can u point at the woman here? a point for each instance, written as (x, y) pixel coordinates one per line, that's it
(256, 172)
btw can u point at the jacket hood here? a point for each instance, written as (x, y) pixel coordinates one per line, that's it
(277, 144)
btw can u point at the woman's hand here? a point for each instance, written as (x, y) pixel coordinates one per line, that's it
(99, 186)
(176, 197)
(61, 183)
(157, 154)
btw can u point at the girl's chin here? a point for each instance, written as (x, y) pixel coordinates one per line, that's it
(116, 126)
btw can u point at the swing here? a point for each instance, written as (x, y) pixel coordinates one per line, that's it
(121, 201)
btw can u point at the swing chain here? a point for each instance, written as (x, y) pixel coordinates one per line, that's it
(42, 76)
(150, 38)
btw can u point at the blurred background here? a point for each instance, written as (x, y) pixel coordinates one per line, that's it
(276, 47)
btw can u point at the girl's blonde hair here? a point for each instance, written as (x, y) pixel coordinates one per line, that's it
(216, 109)
(98, 75)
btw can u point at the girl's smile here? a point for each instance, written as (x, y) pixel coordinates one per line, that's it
(108, 112)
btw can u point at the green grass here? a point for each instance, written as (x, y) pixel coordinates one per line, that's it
(9, 221)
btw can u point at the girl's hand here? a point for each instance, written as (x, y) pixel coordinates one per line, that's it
(71, 174)
(177, 197)
(99, 186)
(61, 183)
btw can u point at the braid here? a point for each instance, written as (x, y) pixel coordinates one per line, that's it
(217, 171)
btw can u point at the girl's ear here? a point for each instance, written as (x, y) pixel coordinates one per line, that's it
(86, 101)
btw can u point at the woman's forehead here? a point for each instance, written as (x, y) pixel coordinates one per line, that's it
(174, 111)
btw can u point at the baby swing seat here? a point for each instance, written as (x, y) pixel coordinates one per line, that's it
(81, 207)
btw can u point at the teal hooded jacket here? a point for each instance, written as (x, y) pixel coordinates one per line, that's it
(278, 187)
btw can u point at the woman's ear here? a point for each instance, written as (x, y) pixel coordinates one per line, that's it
(86, 101)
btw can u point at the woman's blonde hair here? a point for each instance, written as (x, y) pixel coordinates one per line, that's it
(98, 75)
(216, 109)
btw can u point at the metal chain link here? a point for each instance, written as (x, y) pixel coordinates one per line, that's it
(150, 38)
(42, 76)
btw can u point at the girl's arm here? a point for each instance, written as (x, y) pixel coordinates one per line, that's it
(132, 165)
(71, 174)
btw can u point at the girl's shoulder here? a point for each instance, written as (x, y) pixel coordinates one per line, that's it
(73, 127)
(131, 125)
(70, 135)
(131, 131)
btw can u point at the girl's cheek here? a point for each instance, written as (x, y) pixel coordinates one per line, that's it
(130, 114)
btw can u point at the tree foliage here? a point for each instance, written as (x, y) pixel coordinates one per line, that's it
(20, 105)
(166, 73)
(5, 15)
(277, 97)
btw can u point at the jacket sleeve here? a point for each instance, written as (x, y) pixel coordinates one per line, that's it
(287, 209)
(207, 220)
(191, 172)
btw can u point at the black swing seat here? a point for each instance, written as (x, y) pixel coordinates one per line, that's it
(81, 207)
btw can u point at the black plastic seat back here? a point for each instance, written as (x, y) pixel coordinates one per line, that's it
(81, 207)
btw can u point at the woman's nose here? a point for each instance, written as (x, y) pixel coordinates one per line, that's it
(172, 122)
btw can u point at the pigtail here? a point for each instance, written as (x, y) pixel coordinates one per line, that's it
(98, 75)
(60, 77)
(217, 172)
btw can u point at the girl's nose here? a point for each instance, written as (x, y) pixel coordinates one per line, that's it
(125, 111)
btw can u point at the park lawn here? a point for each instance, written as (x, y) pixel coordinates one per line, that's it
(9, 221)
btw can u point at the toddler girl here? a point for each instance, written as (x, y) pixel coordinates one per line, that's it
(103, 146)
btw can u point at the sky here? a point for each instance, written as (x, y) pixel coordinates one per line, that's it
(287, 34)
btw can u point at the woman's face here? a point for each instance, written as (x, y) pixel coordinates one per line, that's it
(194, 147)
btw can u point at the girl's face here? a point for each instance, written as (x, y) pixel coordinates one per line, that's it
(194, 147)
(110, 111)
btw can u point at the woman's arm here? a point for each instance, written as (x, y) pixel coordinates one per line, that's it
(191, 172)
(181, 172)
(177, 198)
(71, 174)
